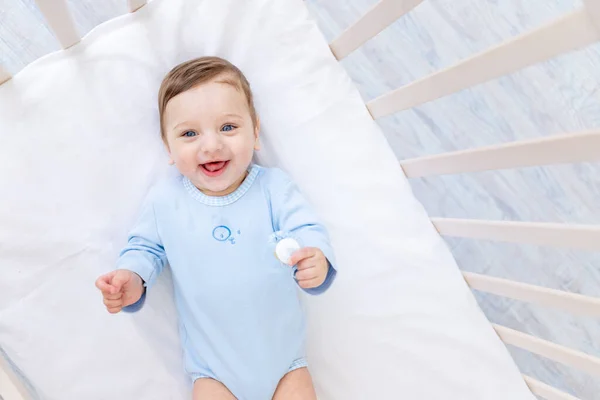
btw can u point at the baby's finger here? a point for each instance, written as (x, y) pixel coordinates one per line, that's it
(114, 310)
(120, 278)
(113, 303)
(111, 296)
(310, 283)
(306, 274)
(302, 254)
(103, 283)
(306, 264)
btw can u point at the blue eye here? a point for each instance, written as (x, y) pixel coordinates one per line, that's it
(227, 128)
(189, 134)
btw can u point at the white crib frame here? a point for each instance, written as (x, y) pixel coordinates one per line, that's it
(570, 32)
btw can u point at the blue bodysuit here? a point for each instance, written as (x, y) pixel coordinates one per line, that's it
(240, 316)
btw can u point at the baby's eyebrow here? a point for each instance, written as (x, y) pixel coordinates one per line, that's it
(181, 123)
(232, 115)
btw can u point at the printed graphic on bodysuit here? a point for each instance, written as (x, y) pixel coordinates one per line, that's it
(222, 233)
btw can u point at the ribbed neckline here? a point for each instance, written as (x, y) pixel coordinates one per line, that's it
(232, 197)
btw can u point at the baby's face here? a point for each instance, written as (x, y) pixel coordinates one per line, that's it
(210, 136)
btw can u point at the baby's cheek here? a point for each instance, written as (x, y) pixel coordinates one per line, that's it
(186, 159)
(242, 145)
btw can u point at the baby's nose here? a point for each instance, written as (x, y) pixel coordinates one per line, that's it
(212, 144)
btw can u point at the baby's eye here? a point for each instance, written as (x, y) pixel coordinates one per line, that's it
(227, 128)
(189, 134)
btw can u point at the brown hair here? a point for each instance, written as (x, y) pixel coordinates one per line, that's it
(195, 72)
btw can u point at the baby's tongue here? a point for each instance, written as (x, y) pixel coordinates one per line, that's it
(214, 166)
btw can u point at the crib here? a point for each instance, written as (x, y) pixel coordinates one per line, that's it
(569, 32)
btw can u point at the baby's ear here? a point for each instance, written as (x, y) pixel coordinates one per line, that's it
(171, 161)
(257, 134)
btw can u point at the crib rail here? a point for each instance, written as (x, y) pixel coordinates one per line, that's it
(583, 237)
(567, 33)
(379, 17)
(593, 9)
(4, 75)
(552, 351)
(59, 19)
(12, 387)
(571, 302)
(566, 148)
(546, 391)
(135, 5)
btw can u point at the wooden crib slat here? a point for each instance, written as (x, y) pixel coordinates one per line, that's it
(4, 75)
(568, 148)
(584, 237)
(11, 387)
(135, 5)
(564, 355)
(59, 19)
(593, 9)
(546, 391)
(379, 17)
(571, 302)
(570, 32)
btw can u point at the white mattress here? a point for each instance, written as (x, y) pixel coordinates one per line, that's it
(79, 147)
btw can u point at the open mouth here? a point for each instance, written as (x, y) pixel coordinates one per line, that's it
(214, 168)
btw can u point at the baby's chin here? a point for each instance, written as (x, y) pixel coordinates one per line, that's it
(215, 187)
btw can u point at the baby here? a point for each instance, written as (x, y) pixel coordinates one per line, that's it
(217, 225)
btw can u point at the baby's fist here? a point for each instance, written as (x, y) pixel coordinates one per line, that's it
(312, 266)
(120, 288)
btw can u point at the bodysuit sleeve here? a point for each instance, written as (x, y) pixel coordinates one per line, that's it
(144, 253)
(294, 217)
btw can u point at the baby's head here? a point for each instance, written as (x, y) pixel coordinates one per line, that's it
(208, 123)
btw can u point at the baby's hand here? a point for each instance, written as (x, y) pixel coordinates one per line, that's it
(312, 267)
(120, 288)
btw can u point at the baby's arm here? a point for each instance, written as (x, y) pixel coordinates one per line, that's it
(139, 264)
(293, 216)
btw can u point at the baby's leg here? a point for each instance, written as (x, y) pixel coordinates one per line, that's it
(295, 385)
(210, 389)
